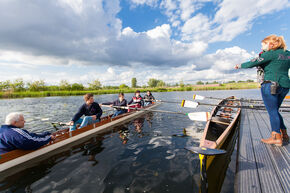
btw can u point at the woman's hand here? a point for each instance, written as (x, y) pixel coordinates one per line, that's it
(237, 66)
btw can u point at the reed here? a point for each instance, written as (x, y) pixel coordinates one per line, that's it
(227, 86)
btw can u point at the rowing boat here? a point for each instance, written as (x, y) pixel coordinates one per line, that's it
(19, 160)
(220, 124)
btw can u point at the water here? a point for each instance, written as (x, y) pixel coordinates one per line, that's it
(144, 155)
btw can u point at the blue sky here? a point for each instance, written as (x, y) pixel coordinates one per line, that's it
(115, 40)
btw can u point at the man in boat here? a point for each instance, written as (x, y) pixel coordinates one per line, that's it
(148, 98)
(136, 101)
(90, 109)
(121, 102)
(13, 137)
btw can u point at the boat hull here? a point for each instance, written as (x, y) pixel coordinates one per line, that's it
(19, 160)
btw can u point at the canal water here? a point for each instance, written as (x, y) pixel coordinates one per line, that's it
(143, 155)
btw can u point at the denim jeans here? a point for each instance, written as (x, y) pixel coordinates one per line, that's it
(118, 113)
(273, 103)
(87, 120)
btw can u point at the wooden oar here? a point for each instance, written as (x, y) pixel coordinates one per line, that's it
(196, 116)
(203, 154)
(200, 97)
(192, 104)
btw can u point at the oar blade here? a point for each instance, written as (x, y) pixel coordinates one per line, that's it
(199, 116)
(205, 151)
(189, 104)
(198, 97)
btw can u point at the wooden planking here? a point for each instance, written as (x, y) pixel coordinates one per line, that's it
(279, 155)
(271, 163)
(247, 179)
(268, 176)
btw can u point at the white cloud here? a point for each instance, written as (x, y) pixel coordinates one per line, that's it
(144, 2)
(163, 31)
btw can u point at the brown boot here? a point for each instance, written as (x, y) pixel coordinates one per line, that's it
(275, 139)
(285, 137)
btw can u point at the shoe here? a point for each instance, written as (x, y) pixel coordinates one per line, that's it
(284, 135)
(275, 139)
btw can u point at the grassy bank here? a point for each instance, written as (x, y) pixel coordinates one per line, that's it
(228, 86)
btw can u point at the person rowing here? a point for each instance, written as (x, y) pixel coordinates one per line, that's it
(121, 102)
(148, 98)
(90, 109)
(13, 137)
(136, 101)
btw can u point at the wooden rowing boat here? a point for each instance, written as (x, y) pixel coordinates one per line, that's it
(19, 160)
(220, 124)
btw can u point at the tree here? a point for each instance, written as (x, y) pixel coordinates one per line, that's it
(250, 80)
(38, 85)
(6, 85)
(134, 82)
(161, 83)
(18, 85)
(77, 86)
(152, 82)
(64, 85)
(181, 84)
(95, 85)
(199, 83)
(123, 86)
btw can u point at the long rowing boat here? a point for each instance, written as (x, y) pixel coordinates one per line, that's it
(19, 160)
(220, 124)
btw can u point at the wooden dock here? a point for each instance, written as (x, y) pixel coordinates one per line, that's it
(260, 167)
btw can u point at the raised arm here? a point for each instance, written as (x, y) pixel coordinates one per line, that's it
(262, 59)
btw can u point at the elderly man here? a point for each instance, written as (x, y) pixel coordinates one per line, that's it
(13, 137)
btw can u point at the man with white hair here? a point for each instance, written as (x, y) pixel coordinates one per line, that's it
(13, 137)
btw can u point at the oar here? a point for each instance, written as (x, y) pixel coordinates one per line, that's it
(203, 154)
(192, 104)
(196, 116)
(200, 97)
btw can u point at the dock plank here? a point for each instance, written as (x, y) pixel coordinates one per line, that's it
(247, 175)
(261, 167)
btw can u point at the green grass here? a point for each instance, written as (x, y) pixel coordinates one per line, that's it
(228, 86)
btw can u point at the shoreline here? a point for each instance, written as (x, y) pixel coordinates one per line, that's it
(227, 86)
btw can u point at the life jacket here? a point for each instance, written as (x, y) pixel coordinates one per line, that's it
(137, 100)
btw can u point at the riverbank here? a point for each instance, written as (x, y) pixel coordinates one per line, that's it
(227, 86)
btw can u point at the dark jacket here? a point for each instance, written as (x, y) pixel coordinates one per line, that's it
(148, 98)
(137, 100)
(275, 63)
(93, 109)
(123, 103)
(12, 138)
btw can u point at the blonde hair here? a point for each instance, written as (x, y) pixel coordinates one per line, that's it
(277, 41)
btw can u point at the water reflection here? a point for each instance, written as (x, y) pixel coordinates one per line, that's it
(145, 155)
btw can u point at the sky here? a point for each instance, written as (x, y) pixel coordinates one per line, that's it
(116, 40)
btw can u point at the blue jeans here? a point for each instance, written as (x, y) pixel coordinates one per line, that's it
(87, 120)
(147, 103)
(273, 103)
(118, 113)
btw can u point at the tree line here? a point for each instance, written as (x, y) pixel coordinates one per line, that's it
(19, 85)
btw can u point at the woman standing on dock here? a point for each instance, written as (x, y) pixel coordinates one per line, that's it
(275, 61)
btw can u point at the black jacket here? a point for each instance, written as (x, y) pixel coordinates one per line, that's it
(93, 109)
